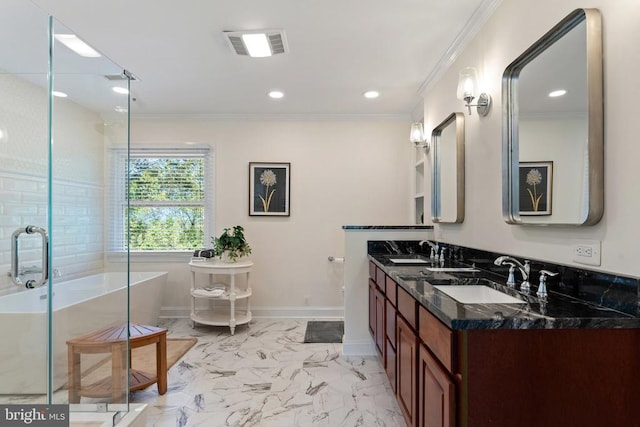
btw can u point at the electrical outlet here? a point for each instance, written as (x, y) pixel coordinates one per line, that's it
(587, 252)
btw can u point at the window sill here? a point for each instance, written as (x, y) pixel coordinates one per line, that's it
(151, 257)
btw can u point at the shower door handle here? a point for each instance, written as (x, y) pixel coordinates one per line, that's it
(15, 257)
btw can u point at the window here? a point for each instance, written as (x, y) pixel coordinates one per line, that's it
(170, 195)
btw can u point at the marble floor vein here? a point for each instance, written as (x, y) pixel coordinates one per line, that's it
(265, 376)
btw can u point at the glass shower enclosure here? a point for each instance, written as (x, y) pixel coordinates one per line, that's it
(63, 109)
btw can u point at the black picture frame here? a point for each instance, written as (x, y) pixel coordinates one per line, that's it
(269, 189)
(536, 188)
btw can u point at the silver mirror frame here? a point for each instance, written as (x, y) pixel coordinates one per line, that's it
(510, 143)
(436, 199)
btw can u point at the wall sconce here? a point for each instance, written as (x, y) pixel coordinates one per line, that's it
(467, 87)
(417, 136)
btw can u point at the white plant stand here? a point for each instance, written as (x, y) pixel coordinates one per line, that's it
(216, 315)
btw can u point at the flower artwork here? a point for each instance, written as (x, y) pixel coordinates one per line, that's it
(269, 189)
(535, 188)
(268, 179)
(534, 177)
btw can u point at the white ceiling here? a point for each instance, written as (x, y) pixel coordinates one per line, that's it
(338, 50)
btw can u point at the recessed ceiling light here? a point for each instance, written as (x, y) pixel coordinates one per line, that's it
(257, 45)
(371, 94)
(276, 94)
(78, 46)
(120, 90)
(121, 109)
(557, 93)
(59, 94)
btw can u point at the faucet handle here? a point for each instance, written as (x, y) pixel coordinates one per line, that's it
(542, 288)
(442, 249)
(527, 267)
(511, 280)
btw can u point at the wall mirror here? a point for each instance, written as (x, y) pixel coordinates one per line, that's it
(447, 179)
(553, 140)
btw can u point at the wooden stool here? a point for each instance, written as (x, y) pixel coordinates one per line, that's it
(114, 340)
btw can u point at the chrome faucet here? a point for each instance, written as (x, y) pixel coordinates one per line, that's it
(434, 248)
(513, 264)
(542, 288)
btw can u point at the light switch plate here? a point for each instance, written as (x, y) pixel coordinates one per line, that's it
(587, 252)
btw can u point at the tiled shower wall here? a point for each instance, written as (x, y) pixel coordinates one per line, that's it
(77, 234)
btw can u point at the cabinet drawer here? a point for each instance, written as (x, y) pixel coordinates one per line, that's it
(437, 337)
(407, 307)
(391, 291)
(372, 270)
(380, 279)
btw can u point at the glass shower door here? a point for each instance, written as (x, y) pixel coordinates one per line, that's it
(24, 201)
(63, 109)
(89, 321)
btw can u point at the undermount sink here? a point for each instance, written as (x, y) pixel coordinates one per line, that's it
(478, 294)
(410, 260)
(451, 269)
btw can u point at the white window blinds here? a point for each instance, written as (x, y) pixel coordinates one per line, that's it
(169, 203)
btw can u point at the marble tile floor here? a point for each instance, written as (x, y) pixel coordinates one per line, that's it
(262, 376)
(266, 376)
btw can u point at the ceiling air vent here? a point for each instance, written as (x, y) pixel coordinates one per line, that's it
(275, 39)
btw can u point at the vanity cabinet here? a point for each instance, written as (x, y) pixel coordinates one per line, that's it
(567, 375)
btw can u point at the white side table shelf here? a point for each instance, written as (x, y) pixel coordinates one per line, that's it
(219, 316)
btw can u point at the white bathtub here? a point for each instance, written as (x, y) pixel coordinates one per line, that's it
(80, 306)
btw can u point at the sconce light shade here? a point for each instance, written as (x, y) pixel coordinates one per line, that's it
(467, 84)
(417, 136)
(467, 88)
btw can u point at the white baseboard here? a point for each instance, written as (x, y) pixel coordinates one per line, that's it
(337, 312)
(359, 348)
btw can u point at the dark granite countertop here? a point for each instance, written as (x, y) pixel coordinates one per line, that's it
(558, 312)
(387, 227)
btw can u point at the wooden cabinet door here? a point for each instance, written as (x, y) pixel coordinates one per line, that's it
(372, 308)
(390, 366)
(380, 324)
(436, 393)
(406, 357)
(390, 341)
(390, 321)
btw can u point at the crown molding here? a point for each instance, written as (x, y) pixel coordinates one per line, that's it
(271, 117)
(462, 40)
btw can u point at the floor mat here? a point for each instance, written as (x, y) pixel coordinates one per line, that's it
(321, 331)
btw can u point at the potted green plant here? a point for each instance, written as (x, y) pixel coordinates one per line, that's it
(231, 244)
